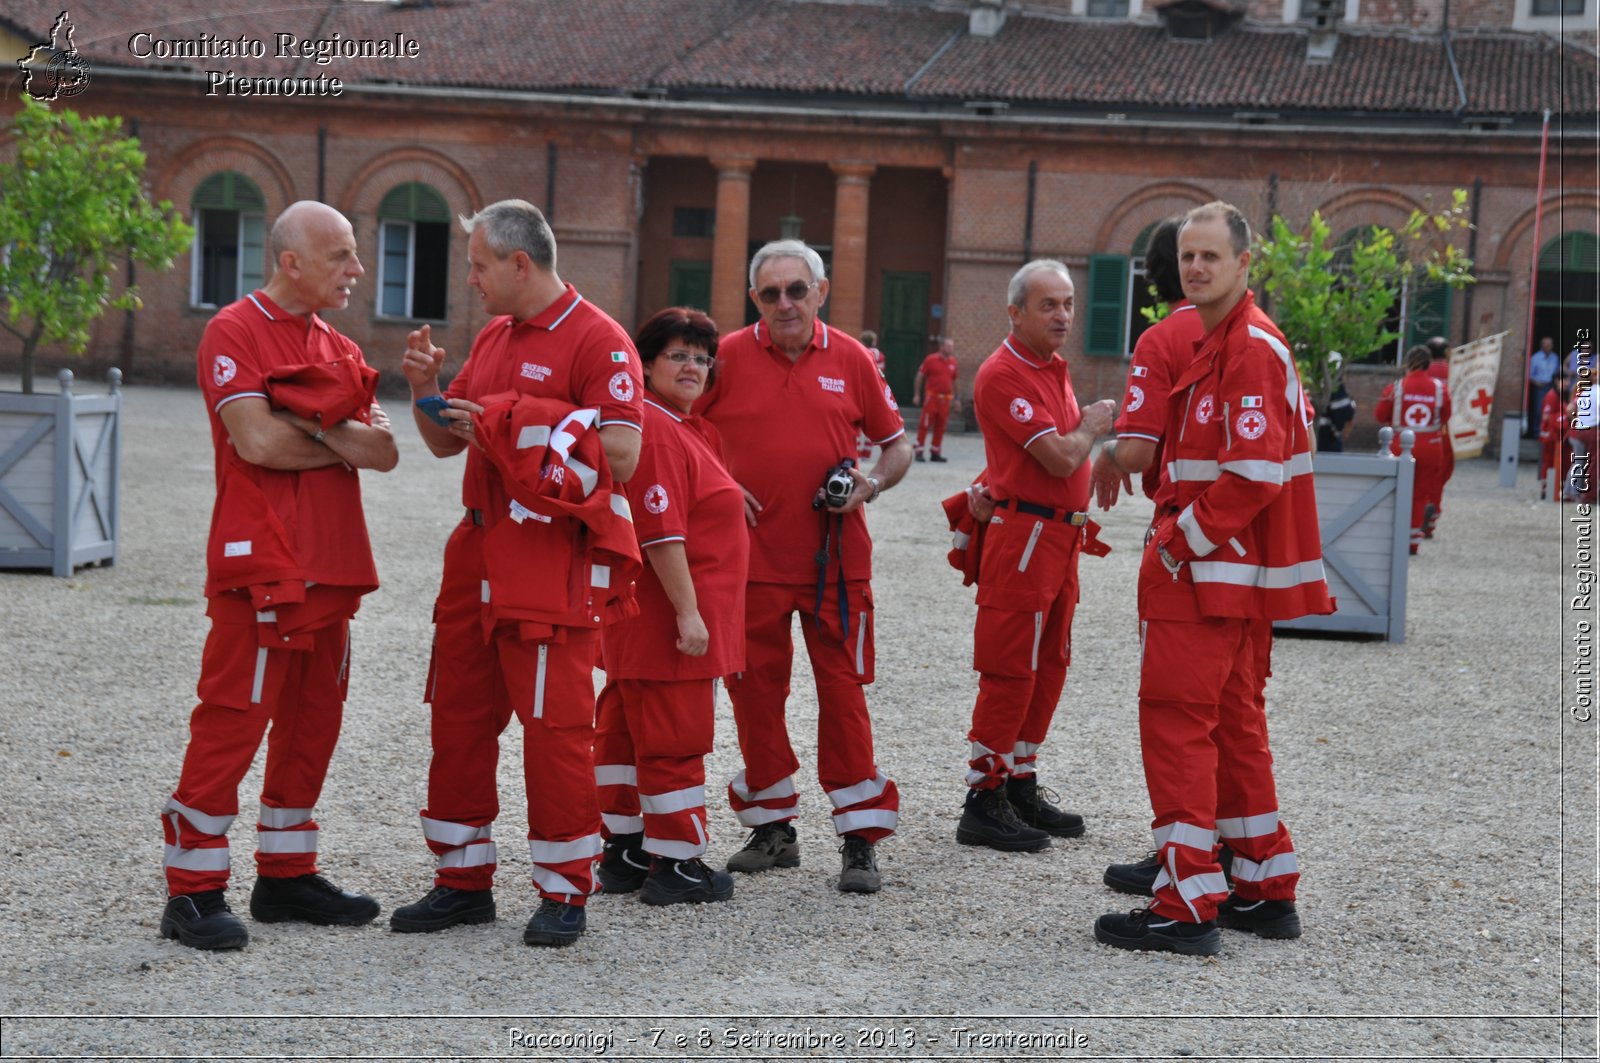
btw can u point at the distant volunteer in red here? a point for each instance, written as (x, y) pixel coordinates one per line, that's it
(1420, 402)
(1037, 442)
(292, 420)
(657, 711)
(548, 409)
(790, 398)
(1241, 549)
(936, 395)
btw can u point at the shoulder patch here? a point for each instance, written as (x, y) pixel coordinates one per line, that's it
(1022, 410)
(223, 370)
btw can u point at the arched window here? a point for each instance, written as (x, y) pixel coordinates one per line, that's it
(229, 246)
(1567, 303)
(413, 253)
(1117, 289)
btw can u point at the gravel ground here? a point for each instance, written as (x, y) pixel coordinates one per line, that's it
(1442, 801)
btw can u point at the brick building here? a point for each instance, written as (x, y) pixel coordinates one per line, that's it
(926, 147)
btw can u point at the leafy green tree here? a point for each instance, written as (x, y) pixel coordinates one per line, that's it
(1339, 299)
(72, 206)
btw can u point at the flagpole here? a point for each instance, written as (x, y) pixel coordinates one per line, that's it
(1533, 280)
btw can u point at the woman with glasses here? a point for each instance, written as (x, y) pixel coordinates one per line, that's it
(655, 715)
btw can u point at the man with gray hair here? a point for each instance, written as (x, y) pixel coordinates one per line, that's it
(790, 397)
(1037, 442)
(498, 648)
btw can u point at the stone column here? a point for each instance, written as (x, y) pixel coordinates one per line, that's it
(728, 250)
(848, 296)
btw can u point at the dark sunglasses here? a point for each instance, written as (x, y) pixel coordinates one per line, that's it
(680, 357)
(796, 292)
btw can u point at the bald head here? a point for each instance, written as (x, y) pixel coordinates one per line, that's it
(314, 250)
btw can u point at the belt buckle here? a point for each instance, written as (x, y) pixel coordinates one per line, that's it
(1077, 519)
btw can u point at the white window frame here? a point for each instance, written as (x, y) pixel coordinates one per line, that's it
(1352, 10)
(1523, 18)
(383, 265)
(1081, 8)
(197, 257)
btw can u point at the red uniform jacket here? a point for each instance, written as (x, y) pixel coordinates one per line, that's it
(1246, 542)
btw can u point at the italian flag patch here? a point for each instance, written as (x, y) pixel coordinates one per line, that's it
(619, 356)
(1249, 402)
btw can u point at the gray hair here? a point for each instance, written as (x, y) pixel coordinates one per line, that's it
(788, 249)
(513, 225)
(1017, 290)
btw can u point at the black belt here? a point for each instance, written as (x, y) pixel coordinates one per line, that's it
(1066, 516)
(475, 516)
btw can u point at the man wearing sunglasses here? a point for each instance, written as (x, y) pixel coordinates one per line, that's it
(790, 397)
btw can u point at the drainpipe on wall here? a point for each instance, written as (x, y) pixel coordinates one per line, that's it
(1455, 70)
(1027, 225)
(550, 182)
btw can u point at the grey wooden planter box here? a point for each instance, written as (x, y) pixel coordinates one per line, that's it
(1364, 504)
(60, 464)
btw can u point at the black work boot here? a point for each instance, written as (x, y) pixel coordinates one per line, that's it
(858, 871)
(309, 899)
(770, 845)
(441, 907)
(1034, 807)
(556, 924)
(1142, 930)
(1139, 879)
(624, 863)
(685, 882)
(203, 921)
(1268, 919)
(988, 819)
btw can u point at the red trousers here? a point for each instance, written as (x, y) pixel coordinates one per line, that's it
(1203, 730)
(1022, 643)
(475, 687)
(935, 415)
(650, 743)
(1427, 486)
(245, 689)
(865, 801)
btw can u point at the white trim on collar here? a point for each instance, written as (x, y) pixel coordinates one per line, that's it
(1029, 362)
(576, 299)
(252, 297)
(648, 401)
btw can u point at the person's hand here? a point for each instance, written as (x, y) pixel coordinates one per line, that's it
(858, 494)
(422, 360)
(693, 638)
(752, 506)
(980, 503)
(459, 415)
(377, 418)
(1108, 478)
(1097, 417)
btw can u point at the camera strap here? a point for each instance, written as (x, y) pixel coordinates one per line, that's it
(831, 530)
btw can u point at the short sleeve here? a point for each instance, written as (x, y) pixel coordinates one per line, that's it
(229, 363)
(1006, 405)
(660, 491)
(1144, 401)
(880, 414)
(609, 377)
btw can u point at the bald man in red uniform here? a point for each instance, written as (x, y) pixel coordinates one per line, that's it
(287, 565)
(936, 395)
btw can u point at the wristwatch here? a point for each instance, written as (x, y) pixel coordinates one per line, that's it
(877, 486)
(321, 434)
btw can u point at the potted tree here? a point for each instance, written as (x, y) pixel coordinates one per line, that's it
(1326, 299)
(72, 208)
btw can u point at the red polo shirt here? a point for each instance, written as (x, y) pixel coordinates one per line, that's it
(1020, 396)
(311, 521)
(939, 374)
(571, 351)
(785, 424)
(1163, 352)
(682, 493)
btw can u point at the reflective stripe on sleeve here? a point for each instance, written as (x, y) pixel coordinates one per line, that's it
(1239, 574)
(1191, 531)
(1191, 469)
(1256, 471)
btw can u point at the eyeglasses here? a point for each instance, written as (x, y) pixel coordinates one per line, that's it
(796, 292)
(680, 357)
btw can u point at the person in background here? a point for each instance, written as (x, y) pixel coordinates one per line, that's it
(1542, 366)
(1419, 402)
(656, 714)
(936, 394)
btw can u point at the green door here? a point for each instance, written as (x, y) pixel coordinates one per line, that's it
(689, 284)
(903, 330)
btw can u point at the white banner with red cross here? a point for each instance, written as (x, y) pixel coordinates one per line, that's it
(1474, 369)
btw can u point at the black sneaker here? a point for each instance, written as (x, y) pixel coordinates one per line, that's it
(203, 921)
(918, 456)
(1034, 807)
(442, 907)
(1139, 879)
(1136, 878)
(771, 845)
(1268, 919)
(988, 819)
(938, 457)
(556, 924)
(624, 863)
(1144, 931)
(685, 882)
(859, 873)
(309, 899)
(1430, 517)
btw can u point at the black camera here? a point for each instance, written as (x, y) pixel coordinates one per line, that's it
(838, 486)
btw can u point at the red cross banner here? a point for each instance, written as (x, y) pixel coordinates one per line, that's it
(1474, 368)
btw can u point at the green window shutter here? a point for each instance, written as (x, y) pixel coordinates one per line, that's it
(229, 191)
(252, 252)
(1428, 315)
(1107, 317)
(414, 202)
